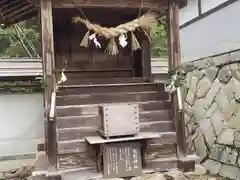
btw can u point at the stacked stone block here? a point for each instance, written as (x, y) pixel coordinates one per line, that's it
(212, 112)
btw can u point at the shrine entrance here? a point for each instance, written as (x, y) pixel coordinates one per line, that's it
(104, 113)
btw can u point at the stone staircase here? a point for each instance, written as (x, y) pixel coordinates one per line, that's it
(77, 116)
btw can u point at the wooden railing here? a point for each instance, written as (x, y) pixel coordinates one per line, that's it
(52, 106)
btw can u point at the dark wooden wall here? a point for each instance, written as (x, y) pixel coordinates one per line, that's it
(91, 62)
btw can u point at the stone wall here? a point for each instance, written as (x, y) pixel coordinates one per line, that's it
(23, 173)
(212, 112)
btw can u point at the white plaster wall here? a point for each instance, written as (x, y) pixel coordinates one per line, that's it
(214, 34)
(21, 124)
(209, 4)
(189, 12)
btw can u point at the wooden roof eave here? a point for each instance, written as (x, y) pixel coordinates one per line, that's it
(146, 4)
(25, 9)
(13, 11)
(183, 3)
(118, 4)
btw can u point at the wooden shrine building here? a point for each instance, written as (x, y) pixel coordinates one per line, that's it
(104, 69)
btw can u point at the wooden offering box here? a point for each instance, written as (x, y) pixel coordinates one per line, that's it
(119, 120)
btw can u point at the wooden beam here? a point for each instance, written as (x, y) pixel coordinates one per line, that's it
(30, 12)
(3, 2)
(150, 4)
(48, 72)
(5, 6)
(15, 8)
(21, 10)
(174, 62)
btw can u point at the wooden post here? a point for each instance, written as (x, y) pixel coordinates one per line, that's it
(170, 36)
(174, 62)
(47, 45)
(146, 58)
(48, 69)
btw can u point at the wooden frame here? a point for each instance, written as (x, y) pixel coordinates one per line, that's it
(174, 62)
(184, 163)
(108, 4)
(48, 74)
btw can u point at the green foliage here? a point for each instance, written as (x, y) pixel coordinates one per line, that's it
(10, 43)
(159, 39)
(22, 86)
(176, 78)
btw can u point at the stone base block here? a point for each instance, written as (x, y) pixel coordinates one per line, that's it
(44, 170)
(44, 177)
(186, 165)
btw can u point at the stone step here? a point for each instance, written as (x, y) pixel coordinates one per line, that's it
(103, 81)
(77, 110)
(99, 74)
(75, 161)
(80, 145)
(157, 115)
(83, 174)
(73, 133)
(110, 88)
(95, 119)
(163, 164)
(98, 98)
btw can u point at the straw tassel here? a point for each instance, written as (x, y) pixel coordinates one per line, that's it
(146, 32)
(84, 42)
(144, 22)
(135, 43)
(112, 47)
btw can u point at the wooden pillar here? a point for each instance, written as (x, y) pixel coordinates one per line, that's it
(47, 45)
(170, 36)
(174, 62)
(146, 58)
(176, 38)
(48, 69)
(173, 35)
(47, 40)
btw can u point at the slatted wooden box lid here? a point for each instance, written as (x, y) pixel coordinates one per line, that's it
(119, 119)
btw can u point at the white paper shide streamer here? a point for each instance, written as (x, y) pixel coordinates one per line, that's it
(123, 40)
(95, 41)
(63, 77)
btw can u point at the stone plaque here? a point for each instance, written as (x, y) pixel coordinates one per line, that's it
(122, 160)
